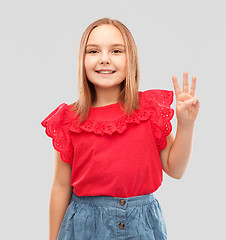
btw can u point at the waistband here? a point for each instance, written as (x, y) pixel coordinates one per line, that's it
(114, 201)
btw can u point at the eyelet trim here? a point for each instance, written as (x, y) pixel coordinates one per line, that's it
(154, 105)
(158, 103)
(57, 125)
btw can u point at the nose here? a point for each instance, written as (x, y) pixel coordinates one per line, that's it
(104, 58)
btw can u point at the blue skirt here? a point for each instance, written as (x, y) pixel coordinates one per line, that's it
(106, 217)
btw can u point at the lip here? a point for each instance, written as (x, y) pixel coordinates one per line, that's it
(97, 71)
(105, 70)
(105, 74)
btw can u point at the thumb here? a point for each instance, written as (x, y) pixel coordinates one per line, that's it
(188, 103)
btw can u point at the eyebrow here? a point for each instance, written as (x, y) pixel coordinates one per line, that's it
(113, 45)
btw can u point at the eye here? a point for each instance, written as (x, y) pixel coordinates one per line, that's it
(95, 51)
(92, 51)
(117, 50)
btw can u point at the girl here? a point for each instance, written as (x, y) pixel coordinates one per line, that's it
(112, 144)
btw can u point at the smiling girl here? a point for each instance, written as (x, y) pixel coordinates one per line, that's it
(112, 145)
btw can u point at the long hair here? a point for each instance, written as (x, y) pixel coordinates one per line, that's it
(128, 97)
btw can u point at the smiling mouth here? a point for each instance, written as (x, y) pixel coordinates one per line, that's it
(105, 72)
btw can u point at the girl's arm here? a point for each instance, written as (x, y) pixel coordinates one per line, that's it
(176, 155)
(60, 195)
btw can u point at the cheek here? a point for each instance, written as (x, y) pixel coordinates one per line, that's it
(123, 61)
(119, 62)
(123, 64)
(87, 62)
(90, 63)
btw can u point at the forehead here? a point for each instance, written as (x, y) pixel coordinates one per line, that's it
(105, 35)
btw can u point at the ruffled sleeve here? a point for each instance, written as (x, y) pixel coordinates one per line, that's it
(158, 102)
(57, 125)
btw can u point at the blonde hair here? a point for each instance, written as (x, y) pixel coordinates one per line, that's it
(128, 96)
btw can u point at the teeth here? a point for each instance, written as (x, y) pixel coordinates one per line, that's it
(105, 71)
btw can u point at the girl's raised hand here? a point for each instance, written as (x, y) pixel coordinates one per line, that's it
(187, 104)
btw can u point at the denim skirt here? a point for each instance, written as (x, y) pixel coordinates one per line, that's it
(106, 217)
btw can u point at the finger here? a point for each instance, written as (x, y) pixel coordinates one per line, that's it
(185, 82)
(189, 102)
(193, 86)
(195, 100)
(197, 104)
(176, 85)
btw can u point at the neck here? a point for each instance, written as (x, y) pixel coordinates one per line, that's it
(106, 96)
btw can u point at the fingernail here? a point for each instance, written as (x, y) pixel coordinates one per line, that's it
(197, 100)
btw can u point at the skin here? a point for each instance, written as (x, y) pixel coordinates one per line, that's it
(105, 56)
(174, 157)
(60, 195)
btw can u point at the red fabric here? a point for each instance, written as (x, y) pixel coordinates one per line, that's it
(111, 153)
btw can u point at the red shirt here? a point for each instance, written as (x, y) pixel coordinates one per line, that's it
(110, 153)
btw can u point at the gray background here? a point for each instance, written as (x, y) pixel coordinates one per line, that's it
(38, 57)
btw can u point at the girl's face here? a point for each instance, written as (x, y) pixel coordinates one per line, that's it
(105, 50)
